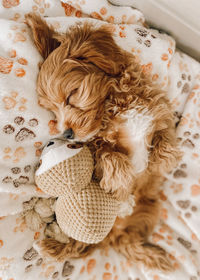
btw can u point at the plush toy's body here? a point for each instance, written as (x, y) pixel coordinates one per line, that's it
(83, 210)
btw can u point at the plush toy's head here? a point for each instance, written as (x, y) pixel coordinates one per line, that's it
(83, 210)
(64, 167)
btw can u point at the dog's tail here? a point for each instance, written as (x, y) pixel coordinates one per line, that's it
(61, 251)
(148, 254)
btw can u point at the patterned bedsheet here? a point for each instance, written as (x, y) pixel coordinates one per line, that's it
(25, 128)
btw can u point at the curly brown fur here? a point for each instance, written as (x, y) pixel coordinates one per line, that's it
(60, 251)
(90, 84)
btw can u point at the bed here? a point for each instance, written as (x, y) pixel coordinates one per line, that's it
(26, 127)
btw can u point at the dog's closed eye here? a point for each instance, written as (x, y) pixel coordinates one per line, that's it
(68, 98)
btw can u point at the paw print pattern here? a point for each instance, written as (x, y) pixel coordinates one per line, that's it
(182, 65)
(40, 6)
(38, 147)
(184, 83)
(181, 171)
(122, 32)
(188, 246)
(186, 206)
(16, 155)
(10, 3)
(144, 36)
(12, 100)
(18, 179)
(33, 258)
(185, 243)
(164, 233)
(19, 34)
(189, 140)
(30, 254)
(23, 133)
(7, 64)
(67, 269)
(71, 11)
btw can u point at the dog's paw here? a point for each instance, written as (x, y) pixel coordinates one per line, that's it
(118, 175)
(20, 176)
(120, 193)
(21, 133)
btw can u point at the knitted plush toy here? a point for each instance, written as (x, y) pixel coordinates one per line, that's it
(83, 210)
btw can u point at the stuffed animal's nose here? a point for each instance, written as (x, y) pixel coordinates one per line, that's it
(68, 134)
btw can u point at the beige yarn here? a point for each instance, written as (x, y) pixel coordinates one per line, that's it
(90, 216)
(83, 210)
(73, 173)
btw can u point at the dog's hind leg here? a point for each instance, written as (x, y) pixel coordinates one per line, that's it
(129, 236)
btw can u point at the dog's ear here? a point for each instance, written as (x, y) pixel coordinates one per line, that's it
(44, 36)
(96, 46)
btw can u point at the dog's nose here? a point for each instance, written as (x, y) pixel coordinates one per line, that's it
(68, 134)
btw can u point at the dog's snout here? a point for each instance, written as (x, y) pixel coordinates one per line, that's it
(68, 134)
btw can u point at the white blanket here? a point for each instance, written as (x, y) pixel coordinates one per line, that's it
(25, 128)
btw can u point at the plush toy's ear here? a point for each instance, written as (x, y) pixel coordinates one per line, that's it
(75, 146)
(44, 36)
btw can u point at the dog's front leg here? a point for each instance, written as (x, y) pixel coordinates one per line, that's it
(116, 173)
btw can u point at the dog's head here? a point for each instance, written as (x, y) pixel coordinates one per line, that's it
(77, 74)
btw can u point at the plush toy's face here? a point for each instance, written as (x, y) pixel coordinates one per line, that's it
(56, 151)
(54, 144)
